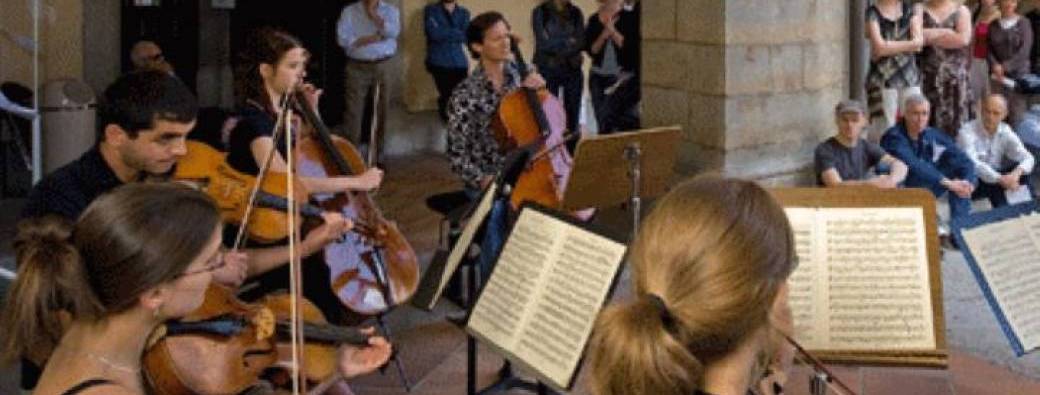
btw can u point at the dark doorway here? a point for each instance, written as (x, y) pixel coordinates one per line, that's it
(314, 23)
(174, 25)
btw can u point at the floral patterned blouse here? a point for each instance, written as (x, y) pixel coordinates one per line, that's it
(472, 148)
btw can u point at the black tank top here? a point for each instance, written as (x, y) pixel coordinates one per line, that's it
(86, 384)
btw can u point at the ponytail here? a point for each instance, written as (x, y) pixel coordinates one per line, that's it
(123, 244)
(51, 278)
(635, 351)
(707, 266)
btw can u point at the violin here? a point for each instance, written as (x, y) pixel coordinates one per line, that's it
(206, 169)
(225, 345)
(532, 120)
(370, 273)
(823, 378)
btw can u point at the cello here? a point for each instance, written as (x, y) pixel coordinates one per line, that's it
(534, 120)
(369, 274)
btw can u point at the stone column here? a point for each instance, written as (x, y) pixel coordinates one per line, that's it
(753, 83)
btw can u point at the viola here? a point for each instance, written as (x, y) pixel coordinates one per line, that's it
(533, 120)
(207, 169)
(225, 345)
(370, 273)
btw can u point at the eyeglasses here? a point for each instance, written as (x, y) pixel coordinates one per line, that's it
(214, 264)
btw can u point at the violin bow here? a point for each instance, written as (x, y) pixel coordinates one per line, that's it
(821, 373)
(373, 127)
(240, 237)
(295, 263)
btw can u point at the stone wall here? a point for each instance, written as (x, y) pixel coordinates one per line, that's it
(752, 82)
(60, 44)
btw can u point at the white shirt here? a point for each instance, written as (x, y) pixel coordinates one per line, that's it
(354, 24)
(993, 152)
(1008, 23)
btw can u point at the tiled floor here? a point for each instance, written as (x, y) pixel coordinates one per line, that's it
(434, 352)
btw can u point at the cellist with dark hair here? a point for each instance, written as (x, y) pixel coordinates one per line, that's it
(474, 152)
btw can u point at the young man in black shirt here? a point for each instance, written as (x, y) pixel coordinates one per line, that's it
(145, 119)
(847, 159)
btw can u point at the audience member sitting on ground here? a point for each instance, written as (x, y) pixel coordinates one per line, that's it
(1001, 160)
(933, 158)
(846, 159)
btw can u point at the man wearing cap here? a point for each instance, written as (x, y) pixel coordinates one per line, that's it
(934, 160)
(1001, 160)
(846, 159)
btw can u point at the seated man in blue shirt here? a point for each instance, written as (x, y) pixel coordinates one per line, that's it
(935, 161)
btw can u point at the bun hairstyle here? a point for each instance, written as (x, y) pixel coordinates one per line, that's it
(265, 45)
(130, 240)
(707, 264)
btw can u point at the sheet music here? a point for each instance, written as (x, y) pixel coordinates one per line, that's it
(1006, 252)
(545, 293)
(862, 281)
(465, 239)
(806, 280)
(1020, 195)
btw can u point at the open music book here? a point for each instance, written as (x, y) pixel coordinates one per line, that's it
(866, 289)
(1002, 248)
(541, 300)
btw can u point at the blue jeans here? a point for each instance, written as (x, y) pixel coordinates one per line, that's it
(959, 207)
(494, 233)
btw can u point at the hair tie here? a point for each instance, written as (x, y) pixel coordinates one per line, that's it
(663, 313)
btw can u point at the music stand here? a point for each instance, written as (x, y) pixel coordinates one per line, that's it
(603, 164)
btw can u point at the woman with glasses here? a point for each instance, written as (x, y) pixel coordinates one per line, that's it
(710, 268)
(93, 292)
(121, 270)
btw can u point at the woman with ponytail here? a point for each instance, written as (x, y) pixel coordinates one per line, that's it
(139, 255)
(710, 268)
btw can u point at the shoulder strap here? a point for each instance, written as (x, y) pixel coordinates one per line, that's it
(86, 384)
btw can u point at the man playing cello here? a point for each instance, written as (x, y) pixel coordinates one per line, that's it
(474, 153)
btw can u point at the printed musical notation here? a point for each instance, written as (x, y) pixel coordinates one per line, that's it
(862, 281)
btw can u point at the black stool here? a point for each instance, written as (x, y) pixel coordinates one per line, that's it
(452, 206)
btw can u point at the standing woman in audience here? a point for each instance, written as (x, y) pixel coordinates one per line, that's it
(710, 268)
(1010, 41)
(559, 31)
(944, 63)
(139, 255)
(985, 12)
(895, 33)
(610, 83)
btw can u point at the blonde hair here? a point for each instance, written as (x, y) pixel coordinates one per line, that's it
(707, 265)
